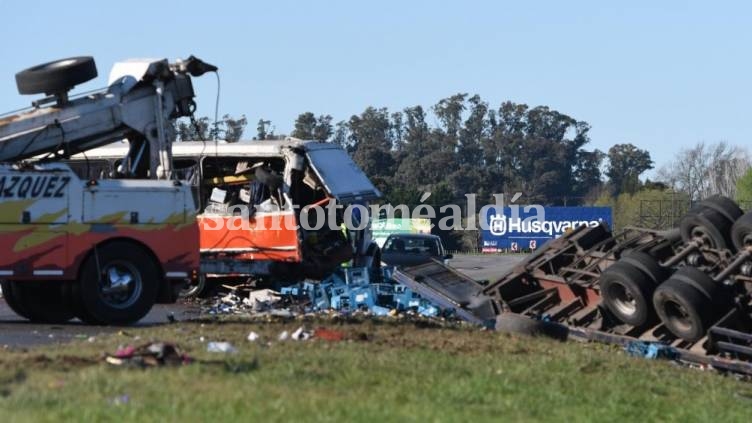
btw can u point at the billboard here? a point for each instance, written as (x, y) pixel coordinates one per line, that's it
(382, 228)
(519, 228)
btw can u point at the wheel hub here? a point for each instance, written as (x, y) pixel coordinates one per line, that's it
(678, 315)
(120, 284)
(623, 300)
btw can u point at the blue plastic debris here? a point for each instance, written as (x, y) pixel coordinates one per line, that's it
(353, 289)
(651, 350)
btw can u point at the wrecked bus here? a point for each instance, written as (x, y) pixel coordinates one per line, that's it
(278, 180)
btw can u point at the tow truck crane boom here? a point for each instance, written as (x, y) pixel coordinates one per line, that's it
(143, 97)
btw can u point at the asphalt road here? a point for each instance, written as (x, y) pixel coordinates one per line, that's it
(16, 332)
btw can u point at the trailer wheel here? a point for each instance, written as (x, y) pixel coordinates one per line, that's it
(741, 232)
(626, 291)
(709, 226)
(647, 265)
(11, 299)
(687, 303)
(118, 284)
(519, 324)
(723, 205)
(56, 76)
(43, 302)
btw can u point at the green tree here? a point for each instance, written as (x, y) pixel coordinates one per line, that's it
(309, 127)
(744, 190)
(261, 129)
(370, 142)
(229, 128)
(626, 163)
(233, 128)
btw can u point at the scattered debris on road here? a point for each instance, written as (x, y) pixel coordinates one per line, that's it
(347, 291)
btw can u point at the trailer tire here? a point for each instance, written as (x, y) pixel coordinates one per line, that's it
(519, 324)
(741, 232)
(627, 291)
(43, 301)
(710, 225)
(723, 205)
(11, 299)
(647, 265)
(118, 284)
(688, 302)
(56, 76)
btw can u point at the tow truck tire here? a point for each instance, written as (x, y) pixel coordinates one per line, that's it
(56, 76)
(724, 205)
(43, 302)
(709, 222)
(12, 300)
(118, 284)
(741, 232)
(627, 292)
(687, 303)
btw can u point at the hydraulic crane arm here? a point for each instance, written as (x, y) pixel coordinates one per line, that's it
(139, 105)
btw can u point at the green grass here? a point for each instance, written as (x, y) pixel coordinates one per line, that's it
(384, 372)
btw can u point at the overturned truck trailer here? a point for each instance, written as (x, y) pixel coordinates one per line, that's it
(687, 288)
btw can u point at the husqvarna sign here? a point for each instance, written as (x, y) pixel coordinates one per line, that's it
(517, 228)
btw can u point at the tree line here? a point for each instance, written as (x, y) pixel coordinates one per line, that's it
(464, 145)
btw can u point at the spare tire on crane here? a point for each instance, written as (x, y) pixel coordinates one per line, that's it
(58, 76)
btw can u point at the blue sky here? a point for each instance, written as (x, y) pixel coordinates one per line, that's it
(661, 75)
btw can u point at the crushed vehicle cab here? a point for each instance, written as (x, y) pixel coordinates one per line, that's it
(103, 251)
(256, 200)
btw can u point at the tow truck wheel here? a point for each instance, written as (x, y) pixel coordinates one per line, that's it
(12, 300)
(42, 302)
(118, 284)
(687, 303)
(56, 76)
(741, 232)
(709, 226)
(626, 292)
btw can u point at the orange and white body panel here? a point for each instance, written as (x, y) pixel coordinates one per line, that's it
(51, 220)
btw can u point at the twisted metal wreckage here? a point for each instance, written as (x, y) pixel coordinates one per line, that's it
(683, 293)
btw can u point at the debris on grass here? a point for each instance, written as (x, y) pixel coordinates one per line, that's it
(301, 334)
(651, 350)
(328, 334)
(221, 347)
(152, 354)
